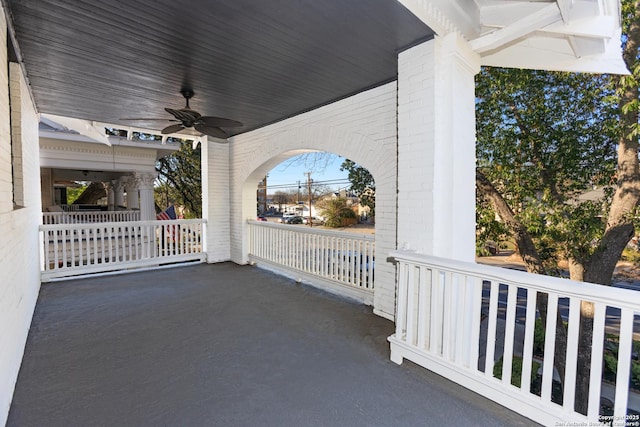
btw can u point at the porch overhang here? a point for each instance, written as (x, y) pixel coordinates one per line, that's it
(259, 62)
(559, 35)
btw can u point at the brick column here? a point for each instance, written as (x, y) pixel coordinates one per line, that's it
(215, 199)
(436, 148)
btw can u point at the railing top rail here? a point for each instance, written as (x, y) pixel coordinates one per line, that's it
(609, 295)
(52, 227)
(88, 213)
(309, 230)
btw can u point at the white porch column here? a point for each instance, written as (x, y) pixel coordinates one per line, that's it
(133, 198)
(118, 193)
(216, 199)
(110, 196)
(46, 184)
(145, 188)
(436, 148)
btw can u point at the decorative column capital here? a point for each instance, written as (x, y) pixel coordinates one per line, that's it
(129, 182)
(118, 185)
(145, 181)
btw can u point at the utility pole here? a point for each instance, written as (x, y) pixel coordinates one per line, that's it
(309, 190)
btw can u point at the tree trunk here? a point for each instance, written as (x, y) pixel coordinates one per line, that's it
(532, 261)
(90, 196)
(523, 241)
(619, 229)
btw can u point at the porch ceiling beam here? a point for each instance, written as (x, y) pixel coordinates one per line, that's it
(597, 26)
(502, 15)
(584, 46)
(593, 26)
(565, 7)
(545, 16)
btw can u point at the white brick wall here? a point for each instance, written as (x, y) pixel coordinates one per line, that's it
(361, 128)
(19, 249)
(432, 156)
(6, 198)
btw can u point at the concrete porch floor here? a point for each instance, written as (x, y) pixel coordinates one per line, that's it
(223, 345)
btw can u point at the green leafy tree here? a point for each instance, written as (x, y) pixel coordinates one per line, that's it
(335, 210)
(179, 180)
(544, 138)
(74, 192)
(362, 184)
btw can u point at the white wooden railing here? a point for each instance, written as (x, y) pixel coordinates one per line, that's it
(459, 319)
(78, 217)
(346, 259)
(77, 249)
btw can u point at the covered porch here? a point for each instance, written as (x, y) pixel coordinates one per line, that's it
(223, 344)
(390, 86)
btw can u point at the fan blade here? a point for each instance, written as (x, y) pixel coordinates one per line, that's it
(147, 119)
(211, 131)
(172, 129)
(191, 112)
(218, 122)
(188, 116)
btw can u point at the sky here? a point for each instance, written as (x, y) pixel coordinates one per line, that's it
(324, 169)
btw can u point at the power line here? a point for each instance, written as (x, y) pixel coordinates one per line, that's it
(314, 183)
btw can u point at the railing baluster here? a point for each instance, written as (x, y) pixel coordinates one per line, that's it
(597, 346)
(424, 297)
(56, 248)
(527, 352)
(491, 329)
(476, 319)
(92, 243)
(65, 256)
(573, 333)
(549, 346)
(435, 332)
(412, 305)
(464, 308)
(136, 241)
(625, 348)
(509, 333)
(45, 257)
(449, 311)
(401, 319)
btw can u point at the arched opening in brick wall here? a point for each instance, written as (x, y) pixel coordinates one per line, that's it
(310, 187)
(362, 128)
(383, 172)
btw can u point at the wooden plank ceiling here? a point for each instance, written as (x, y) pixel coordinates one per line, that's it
(254, 61)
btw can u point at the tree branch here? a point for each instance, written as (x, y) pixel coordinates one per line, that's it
(522, 237)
